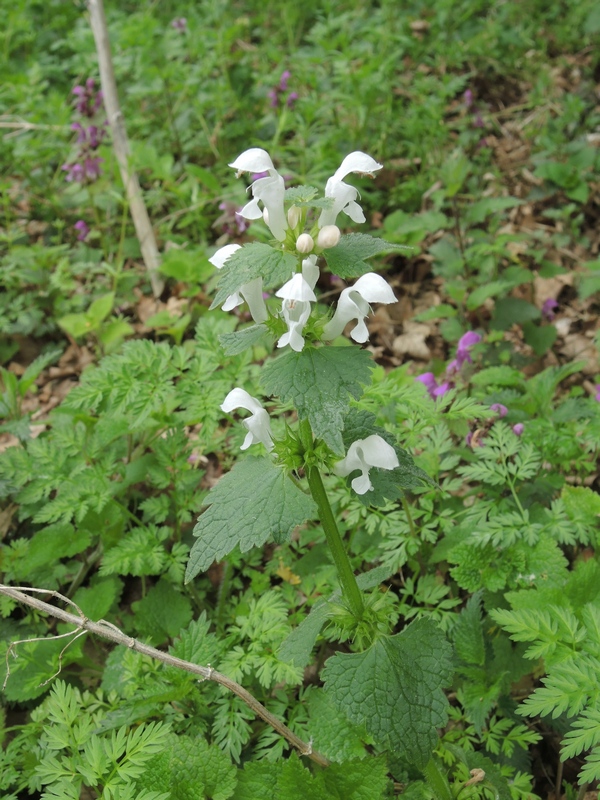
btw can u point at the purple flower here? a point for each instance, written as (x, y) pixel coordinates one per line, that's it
(291, 101)
(180, 23)
(549, 308)
(598, 392)
(75, 172)
(283, 81)
(92, 167)
(273, 98)
(468, 95)
(501, 410)
(463, 351)
(429, 381)
(83, 230)
(518, 428)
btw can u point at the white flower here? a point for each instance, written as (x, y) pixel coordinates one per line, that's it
(344, 196)
(354, 304)
(328, 237)
(297, 295)
(364, 454)
(268, 190)
(304, 243)
(258, 424)
(251, 292)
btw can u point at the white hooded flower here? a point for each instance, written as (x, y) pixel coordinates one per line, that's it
(354, 304)
(363, 454)
(258, 424)
(344, 196)
(297, 295)
(269, 190)
(251, 292)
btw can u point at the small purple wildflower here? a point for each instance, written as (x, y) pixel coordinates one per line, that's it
(549, 308)
(463, 351)
(429, 381)
(273, 98)
(468, 96)
(86, 165)
(83, 230)
(230, 220)
(518, 428)
(598, 392)
(501, 410)
(291, 101)
(180, 24)
(75, 172)
(283, 81)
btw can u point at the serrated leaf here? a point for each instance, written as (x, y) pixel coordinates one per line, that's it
(252, 502)
(237, 342)
(395, 689)
(252, 261)
(347, 259)
(467, 634)
(304, 197)
(320, 383)
(162, 613)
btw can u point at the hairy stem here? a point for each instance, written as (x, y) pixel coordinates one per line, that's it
(345, 573)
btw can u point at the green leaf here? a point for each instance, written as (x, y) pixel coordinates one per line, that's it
(511, 311)
(100, 309)
(481, 294)
(347, 259)
(467, 634)
(187, 266)
(253, 501)
(395, 689)
(539, 337)
(478, 211)
(237, 342)
(320, 383)
(304, 197)
(75, 325)
(162, 613)
(253, 261)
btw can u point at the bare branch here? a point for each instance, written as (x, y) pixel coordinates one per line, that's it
(139, 214)
(109, 631)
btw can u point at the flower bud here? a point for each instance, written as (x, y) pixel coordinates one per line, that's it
(304, 243)
(293, 216)
(328, 236)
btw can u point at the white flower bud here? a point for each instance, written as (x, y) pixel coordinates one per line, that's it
(328, 236)
(293, 216)
(304, 243)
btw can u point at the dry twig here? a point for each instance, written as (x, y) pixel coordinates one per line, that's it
(139, 214)
(109, 631)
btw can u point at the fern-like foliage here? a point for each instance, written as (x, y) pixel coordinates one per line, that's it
(566, 635)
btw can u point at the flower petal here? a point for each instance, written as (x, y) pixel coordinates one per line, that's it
(374, 289)
(297, 289)
(357, 162)
(253, 160)
(220, 257)
(239, 398)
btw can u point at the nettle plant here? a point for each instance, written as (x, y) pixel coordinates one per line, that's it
(392, 683)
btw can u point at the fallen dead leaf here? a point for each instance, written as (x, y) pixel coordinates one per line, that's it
(412, 341)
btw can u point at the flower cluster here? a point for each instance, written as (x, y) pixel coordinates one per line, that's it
(298, 293)
(276, 94)
(287, 227)
(86, 164)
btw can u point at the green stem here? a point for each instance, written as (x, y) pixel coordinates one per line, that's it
(346, 575)
(223, 594)
(437, 780)
(411, 524)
